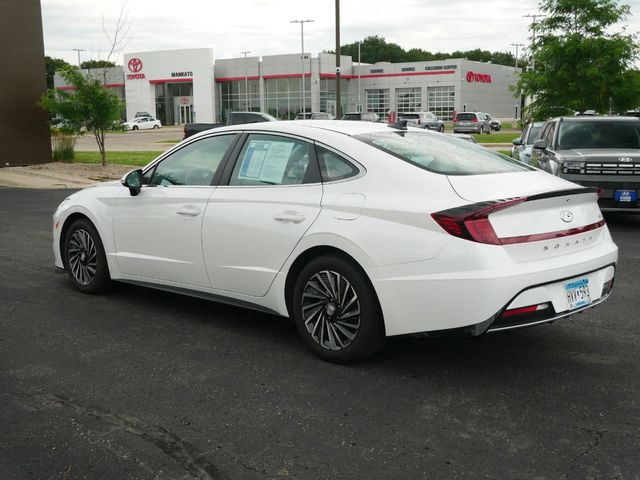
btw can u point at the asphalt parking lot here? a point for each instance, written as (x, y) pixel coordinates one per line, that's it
(142, 384)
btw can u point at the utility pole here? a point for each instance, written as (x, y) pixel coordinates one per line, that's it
(78, 50)
(517, 45)
(359, 70)
(338, 109)
(302, 89)
(246, 82)
(535, 17)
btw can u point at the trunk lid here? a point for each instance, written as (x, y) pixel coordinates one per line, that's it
(557, 217)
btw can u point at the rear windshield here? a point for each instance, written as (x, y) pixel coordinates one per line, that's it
(442, 154)
(465, 116)
(533, 134)
(599, 134)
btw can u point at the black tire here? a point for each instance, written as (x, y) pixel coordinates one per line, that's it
(441, 129)
(135, 127)
(84, 258)
(353, 324)
(156, 127)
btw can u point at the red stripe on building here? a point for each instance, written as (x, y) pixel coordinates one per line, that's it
(407, 74)
(108, 85)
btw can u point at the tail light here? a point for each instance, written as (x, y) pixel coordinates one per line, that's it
(474, 119)
(471, 222)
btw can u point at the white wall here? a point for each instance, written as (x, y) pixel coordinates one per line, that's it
(159, 65)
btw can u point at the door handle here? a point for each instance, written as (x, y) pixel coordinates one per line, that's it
(189, 211)
(293, 217)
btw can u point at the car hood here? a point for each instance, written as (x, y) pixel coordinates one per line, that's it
(606, 155)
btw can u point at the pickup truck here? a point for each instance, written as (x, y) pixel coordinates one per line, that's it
(597, 152)
(235, 118)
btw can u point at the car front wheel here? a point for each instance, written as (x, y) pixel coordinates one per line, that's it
(336, 310)
(84, 258)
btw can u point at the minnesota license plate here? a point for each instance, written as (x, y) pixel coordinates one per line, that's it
(626, 196)
(577, 292)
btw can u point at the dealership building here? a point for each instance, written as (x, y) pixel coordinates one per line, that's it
(184, 86)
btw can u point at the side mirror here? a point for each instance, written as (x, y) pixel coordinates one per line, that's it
(517, 141)
(133, 181)
(540, 144)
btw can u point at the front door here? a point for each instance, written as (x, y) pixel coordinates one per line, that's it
(158, 232)
(185, 114)
(253, 224)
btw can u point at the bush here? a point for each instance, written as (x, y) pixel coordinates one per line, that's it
(63, 146)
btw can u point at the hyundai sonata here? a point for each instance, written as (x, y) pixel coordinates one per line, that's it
(356, 230)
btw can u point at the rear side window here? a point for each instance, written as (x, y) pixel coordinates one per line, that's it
(409, 115)
(441, 154)
(334, 167)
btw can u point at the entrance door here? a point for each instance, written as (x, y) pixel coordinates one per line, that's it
(185, 114)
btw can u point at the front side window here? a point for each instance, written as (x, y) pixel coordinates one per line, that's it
(194, 164)
(442, 154)
(532, 134)
(273, 160)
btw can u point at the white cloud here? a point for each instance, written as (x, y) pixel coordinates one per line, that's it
(263, 26)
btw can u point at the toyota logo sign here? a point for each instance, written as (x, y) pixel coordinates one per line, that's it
(134, 65)
(478, 77)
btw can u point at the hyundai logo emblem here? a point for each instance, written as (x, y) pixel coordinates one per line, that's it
(625, 159)
(566, 216)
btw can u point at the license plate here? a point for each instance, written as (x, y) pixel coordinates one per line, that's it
(626, 196)
(464, 124)
(577, 292)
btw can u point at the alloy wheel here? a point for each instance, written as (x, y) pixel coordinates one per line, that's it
(83, 257)
(331, 310)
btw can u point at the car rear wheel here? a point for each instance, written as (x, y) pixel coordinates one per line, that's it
(156, 127)
(336, 310)
(135, 127)
(84, 258)
(441, 130)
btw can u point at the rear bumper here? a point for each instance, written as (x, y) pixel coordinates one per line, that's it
(434, 295)
(467, 129)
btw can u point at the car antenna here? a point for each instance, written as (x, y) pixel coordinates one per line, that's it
(400, 125)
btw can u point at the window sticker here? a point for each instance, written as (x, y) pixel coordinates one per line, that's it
(265, 161)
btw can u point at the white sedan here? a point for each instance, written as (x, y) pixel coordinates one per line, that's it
(142, 123)
(356, 230)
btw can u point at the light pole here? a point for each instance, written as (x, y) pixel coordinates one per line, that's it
(359, 69)
(517, 45)
(78, 50)
(535, 17)
(246, 83)
(304, 97)
(338, 109)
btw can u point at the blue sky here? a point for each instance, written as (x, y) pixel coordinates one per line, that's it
(262, 27)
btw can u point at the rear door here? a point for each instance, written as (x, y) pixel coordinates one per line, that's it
(267, 200)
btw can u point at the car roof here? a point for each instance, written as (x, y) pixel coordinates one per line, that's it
(310, 127)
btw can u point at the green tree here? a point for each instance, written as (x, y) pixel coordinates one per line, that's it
(87, 64)
(88, 105)
(579, 63)
(51, 65)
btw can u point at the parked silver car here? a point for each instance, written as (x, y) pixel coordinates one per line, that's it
(494, 122)
(426, 120)
(471, 122)
(523, 145)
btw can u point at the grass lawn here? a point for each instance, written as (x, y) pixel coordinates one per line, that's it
(505, 152)
(496, 137)
(120, 158)
(169, 141)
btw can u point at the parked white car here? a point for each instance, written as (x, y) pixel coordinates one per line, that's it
(142, 123)
(357, 230)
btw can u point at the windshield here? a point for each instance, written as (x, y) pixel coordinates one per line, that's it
(441, 154)
(533, 134)
(599, 134)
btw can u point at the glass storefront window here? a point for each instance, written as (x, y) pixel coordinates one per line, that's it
(238, 96)
(283, 96)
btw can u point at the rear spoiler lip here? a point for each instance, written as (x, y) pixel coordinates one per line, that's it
(562, 193)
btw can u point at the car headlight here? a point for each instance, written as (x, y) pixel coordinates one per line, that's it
(571, 166)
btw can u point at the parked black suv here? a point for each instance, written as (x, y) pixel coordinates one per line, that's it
(601, 152)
